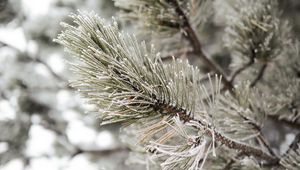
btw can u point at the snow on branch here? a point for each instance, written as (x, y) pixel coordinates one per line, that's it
(128, 82)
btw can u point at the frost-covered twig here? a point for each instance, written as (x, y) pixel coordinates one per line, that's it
(245, 149)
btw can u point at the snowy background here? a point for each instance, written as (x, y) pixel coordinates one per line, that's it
(43, 124)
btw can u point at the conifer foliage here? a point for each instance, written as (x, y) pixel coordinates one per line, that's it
(180, 116)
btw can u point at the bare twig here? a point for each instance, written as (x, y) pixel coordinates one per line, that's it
(192, 37)
(240, 70)
(266, 144)
(247, 65)
(259, 76)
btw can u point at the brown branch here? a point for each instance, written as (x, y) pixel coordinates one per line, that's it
(259, 76)
(274, 118)
(266, 144)
(247, 65)
(261, 138)
(192, 37)
(255, 126)
(210, 131)
(240, 70)
(245, 149)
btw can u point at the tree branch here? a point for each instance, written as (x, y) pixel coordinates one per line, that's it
(247, 65)
(260, 136)
(266, 143)
(192, 37)
(259, 76)
(240, 70)
(245, 149)
(210, 131)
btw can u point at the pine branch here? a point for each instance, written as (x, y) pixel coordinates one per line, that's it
(260, 136)
(250, 38)
(159, 21)
(240, 70)
(284, 94)
(254, 124)
(266, 144)
(243, 148)
(191, 35)
(126, 91)
(255, 33)
(128, 83)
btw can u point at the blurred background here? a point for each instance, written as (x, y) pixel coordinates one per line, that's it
(43, 122)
